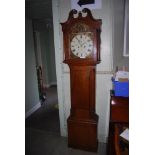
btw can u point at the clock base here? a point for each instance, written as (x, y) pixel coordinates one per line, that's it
(82, 134)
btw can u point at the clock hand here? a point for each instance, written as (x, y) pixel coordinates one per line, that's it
(79, 41)
(83, 44)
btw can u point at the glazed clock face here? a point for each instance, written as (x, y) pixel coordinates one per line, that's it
(82, 45)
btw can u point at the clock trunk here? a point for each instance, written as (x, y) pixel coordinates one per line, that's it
(82, 123)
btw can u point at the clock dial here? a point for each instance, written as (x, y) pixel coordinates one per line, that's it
(81, 45)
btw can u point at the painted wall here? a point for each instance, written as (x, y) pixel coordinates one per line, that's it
(104, 69)
(47, 51)
(47, 57)
(44, 50)
(52, 70)
(118, 34)
(31, 88)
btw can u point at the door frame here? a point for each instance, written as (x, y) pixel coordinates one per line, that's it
(59, 70)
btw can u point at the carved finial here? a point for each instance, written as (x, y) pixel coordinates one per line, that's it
(86, 10)
(71, 13)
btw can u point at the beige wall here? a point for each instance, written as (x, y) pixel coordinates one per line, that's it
(103, 83)
(31, 83)
(118, 34)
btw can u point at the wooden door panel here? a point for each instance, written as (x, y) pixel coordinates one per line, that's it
(80, 88)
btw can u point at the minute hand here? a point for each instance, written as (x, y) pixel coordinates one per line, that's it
(83, 43)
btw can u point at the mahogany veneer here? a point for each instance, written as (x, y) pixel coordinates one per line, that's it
(119, 116)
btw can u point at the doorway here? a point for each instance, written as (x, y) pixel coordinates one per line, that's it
(45, 55)
(46, 118)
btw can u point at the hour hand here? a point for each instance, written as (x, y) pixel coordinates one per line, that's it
(78, 41)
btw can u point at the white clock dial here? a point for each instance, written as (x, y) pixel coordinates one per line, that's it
(81, 45)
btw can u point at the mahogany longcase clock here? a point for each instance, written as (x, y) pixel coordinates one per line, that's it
(81, 41)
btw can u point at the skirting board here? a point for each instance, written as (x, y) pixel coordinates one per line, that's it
(32, 110)
(51, 84)
(102, 138)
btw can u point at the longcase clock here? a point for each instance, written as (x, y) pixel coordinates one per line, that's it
(81, 41)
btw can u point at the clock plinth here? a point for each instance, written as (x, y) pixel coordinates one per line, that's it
(82, 134)
(81, 37)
